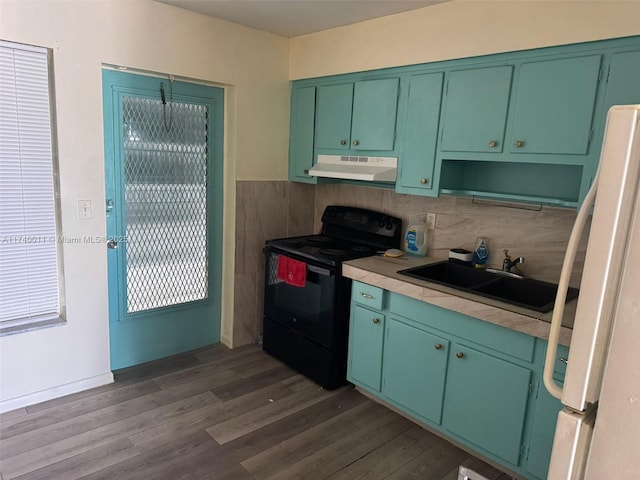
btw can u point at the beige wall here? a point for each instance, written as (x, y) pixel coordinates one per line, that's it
(154, 37)
(459, 29)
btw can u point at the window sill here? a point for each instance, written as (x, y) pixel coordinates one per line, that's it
(28, 327)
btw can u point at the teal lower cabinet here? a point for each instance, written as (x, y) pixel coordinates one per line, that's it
(477, 383)
(545, 415)
(414, 369)
(486, 401)
(364, 365)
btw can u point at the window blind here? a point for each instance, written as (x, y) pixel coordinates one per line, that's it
(29, 278)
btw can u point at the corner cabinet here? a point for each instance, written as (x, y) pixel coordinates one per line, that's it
(357, 116)
(301, 139)
(474, 382)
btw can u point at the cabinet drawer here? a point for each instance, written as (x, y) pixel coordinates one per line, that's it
(501, 339)
(368, 295)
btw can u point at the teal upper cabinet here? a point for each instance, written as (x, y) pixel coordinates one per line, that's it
(334, 116)
(420, 134)
(475, 111)
(414, 369)
(623, 84)
(554, 105)
(364, 363)
(494, 419)
(357, 116)
(303, 105)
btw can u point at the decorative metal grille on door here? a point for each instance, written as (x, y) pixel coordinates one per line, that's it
(165, 191)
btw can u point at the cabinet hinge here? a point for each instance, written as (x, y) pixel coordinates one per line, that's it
(532, 388)
(600, 74)
(590, 136)
(524, 452)
(606, 78)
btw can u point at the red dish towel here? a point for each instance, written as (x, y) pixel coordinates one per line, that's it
(293, 272)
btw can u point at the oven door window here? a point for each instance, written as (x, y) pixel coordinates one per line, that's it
(308, 310)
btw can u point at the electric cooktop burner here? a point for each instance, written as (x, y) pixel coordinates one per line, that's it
(332, 252)
(320, 240)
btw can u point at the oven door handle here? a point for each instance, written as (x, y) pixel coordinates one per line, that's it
(320, 271)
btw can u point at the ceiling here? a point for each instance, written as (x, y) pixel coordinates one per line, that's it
(291, 18)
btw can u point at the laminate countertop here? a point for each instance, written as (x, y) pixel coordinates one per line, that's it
(382, 272)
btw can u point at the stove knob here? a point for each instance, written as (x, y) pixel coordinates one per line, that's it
(381, 223)
(388, 226)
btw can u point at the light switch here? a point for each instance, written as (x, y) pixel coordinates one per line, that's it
(85, 209)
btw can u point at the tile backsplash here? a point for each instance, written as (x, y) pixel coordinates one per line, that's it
(539, 236)
(272, 209)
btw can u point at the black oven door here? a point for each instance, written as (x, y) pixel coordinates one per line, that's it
(309, 310)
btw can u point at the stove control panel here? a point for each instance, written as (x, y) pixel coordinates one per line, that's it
(361, 224)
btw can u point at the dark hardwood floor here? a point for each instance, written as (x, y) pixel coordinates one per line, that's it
(218, 414)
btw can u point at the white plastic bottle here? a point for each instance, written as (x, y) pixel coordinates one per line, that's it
(415, 238)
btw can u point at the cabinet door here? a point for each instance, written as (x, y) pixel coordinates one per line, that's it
(333, 116)
(421, 131)
(303, 104)
(365, 347)
(543, 430)
(486, 401)
(623, 87)
(554, 105)
(475, 112)
(414, 369)
(375, 104)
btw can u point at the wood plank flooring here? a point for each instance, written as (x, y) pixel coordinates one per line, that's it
(218, 414)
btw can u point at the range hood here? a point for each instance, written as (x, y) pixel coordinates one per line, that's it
(371, 169)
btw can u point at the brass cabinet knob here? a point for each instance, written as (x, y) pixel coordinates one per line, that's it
(493, 143)
(343, 142)
(459, 354)
(376, 320)
(356, 142)
(424, 181)
(519, 144)
(438, 346)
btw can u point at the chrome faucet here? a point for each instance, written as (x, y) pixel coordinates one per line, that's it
(508, 263)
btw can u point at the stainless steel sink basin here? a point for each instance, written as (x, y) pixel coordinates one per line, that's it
(524, 292)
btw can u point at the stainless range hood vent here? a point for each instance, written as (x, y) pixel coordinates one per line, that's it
(349, 167)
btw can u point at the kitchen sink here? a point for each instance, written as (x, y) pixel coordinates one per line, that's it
(524, 292)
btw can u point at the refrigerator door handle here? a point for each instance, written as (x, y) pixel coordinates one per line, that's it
(558, 309)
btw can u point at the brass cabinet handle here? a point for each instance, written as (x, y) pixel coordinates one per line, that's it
(563, 360)
(519, 144)
(493, 143)
(438, 346)
(376, 320)
(459, 354)
(367, 296)
(343, 142)
(356, 142)
(424, 181)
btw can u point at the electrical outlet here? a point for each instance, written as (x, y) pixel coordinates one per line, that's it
(431, 221)
(85, 210)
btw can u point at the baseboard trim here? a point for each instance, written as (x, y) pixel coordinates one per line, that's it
(55, 392)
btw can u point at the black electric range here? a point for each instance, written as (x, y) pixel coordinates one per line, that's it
(307, 326)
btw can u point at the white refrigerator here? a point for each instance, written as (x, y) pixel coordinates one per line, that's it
(597, 434)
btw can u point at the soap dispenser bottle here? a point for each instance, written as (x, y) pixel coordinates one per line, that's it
(481, 253)
(415, 238)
